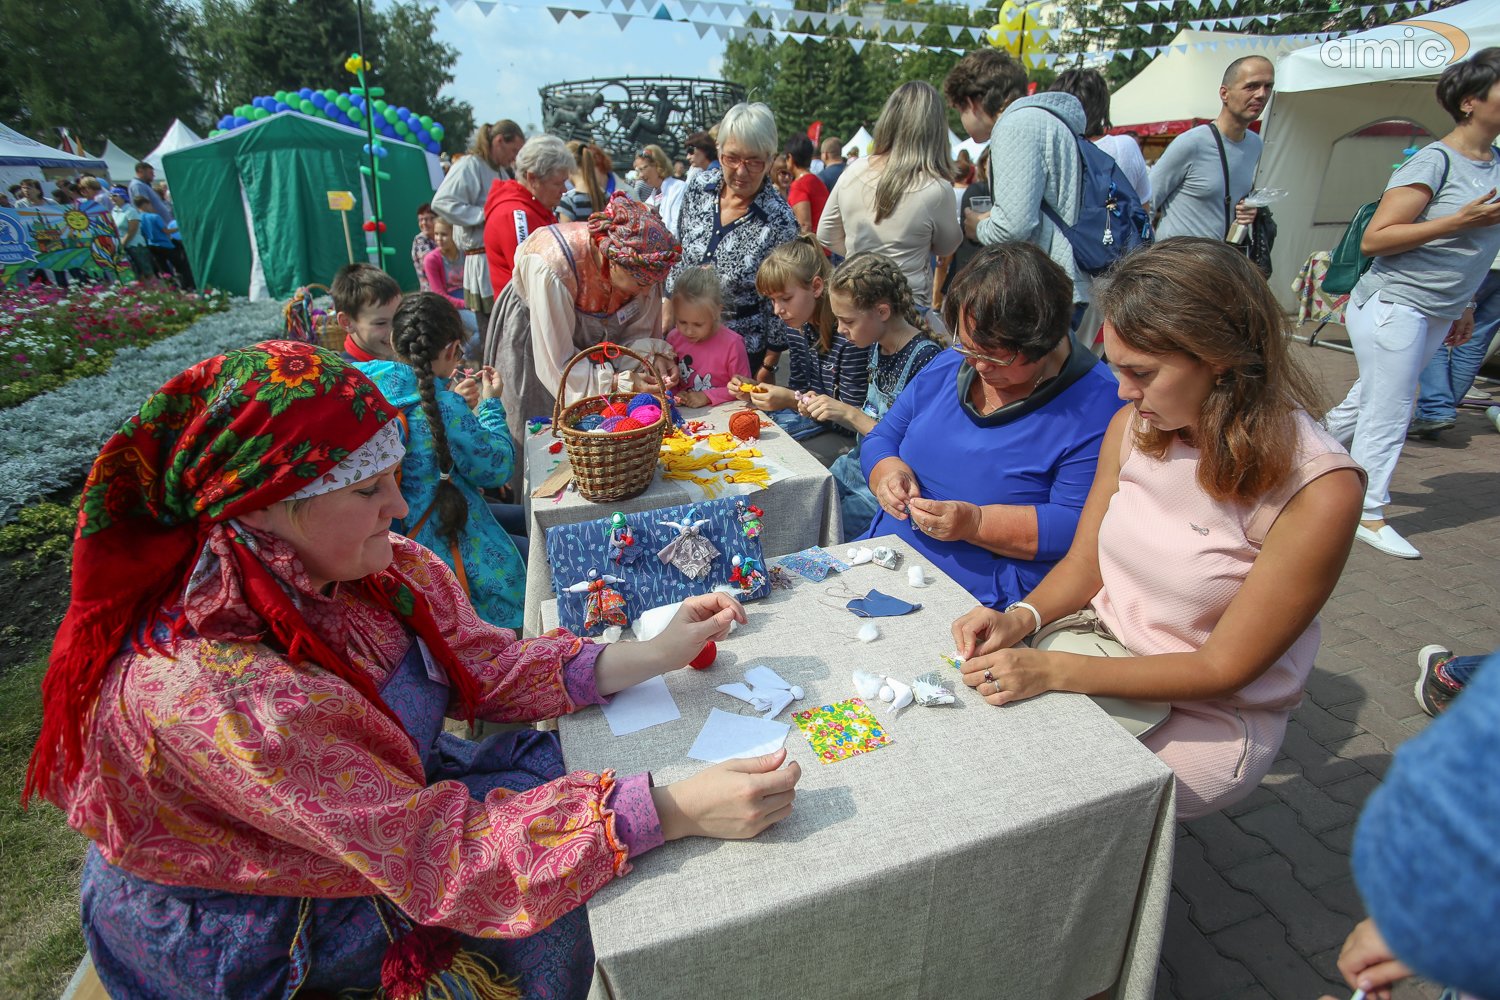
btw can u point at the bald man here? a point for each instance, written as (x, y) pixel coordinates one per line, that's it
(1187, 183)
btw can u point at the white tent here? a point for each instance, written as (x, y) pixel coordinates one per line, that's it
(976, 149)
(861, 141)
(954, 144)
(21, 157)
(1343, 112)
(120, 163)
(1182, 82)
(178, 137)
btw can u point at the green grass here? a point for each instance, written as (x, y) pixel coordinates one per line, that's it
(40, 857)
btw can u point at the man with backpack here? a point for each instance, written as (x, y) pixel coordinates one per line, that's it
(1188, 182)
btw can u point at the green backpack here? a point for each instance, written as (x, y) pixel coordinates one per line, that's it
(1348, 264)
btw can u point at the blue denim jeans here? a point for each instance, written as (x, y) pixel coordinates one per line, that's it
(1451, 371)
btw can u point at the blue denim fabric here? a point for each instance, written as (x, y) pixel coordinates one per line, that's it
(1451, 371)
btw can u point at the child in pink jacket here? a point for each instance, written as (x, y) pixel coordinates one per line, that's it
(709, 354)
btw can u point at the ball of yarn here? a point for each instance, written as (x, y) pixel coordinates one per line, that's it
(647, 415)
(705, 657)
(613, 410)
(642, 399)
(590, 422)
(627, 424)
(611, 423)
(745, 425)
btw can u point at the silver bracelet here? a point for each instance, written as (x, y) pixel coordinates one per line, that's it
(1036, 616)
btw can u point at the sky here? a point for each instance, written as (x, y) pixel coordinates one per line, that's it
(506, 55)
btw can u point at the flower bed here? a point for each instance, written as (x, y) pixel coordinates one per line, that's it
(49, 336)
(48, 443)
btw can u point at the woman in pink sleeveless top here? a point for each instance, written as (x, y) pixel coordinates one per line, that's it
(1218, 524)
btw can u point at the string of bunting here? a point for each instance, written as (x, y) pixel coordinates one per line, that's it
(806, 26)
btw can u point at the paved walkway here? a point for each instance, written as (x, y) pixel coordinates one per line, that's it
(1262, 896)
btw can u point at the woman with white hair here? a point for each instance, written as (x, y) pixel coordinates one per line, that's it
(460, 199)
(732, 218)
(898, 201)
(517, 208)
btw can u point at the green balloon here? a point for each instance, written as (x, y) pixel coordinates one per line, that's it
(436, 132)
(259, 113)
(280, 96)
(341, 102)
(391, 116)
(331, 94)
(356, 115)
(307, 107)
(380, 107)
(426, 121)
(402, 128)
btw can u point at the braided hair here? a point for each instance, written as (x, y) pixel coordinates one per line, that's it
(425, 324)
(870, 278)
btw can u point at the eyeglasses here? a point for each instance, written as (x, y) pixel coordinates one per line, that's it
(732, 162)
(975, 356)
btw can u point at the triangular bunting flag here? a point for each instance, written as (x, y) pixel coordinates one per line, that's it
(662, 14)
(623, 19)
(954, 30)
(485, 6)
(857, 44)
(1130, 6)
(1181, 49)
(558, 13)
(581, 14)
(722, 31)
(628, 4)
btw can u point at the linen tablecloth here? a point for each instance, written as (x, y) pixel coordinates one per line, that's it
(1019, 852)
(1312, 302)
(800, 511)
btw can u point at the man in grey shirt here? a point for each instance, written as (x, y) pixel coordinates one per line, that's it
(1187, 183)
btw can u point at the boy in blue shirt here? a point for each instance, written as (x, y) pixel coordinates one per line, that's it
(157, 240)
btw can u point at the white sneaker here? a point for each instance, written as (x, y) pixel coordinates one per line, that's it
(1494, 414)
(1388, 541)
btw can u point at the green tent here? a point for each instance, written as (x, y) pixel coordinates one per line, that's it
(252, 204)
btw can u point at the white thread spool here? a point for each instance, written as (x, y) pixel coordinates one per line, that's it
(916, 577)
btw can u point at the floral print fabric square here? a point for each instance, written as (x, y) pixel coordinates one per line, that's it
(841, 730)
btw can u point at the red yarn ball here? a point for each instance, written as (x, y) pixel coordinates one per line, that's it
(628, 424)
(705, 657)
(613, 410)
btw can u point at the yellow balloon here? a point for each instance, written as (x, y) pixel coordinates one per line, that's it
(1014, 28)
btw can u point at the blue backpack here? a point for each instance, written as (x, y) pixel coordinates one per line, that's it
(1112, 222)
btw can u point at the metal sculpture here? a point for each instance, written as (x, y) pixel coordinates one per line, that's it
(622, 114)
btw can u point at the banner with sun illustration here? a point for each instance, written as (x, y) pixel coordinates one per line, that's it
(60, 238)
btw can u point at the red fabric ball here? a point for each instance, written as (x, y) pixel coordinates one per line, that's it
(705, 657)
(613, 410)
(745, 425)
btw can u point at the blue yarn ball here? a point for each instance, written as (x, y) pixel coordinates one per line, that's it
(641, 399)
(590, 422)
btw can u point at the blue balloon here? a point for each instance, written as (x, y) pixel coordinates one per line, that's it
(423, 137)
(433, 147)
(403, 113)
(382, 152)
(319, 101)
(227, 122)
(240, 121)
(281, 106)
(305, 93)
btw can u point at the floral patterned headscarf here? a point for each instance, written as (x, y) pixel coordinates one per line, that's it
(634, 238)
(233, 434)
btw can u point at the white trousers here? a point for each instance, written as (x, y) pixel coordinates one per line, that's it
(1392, 344)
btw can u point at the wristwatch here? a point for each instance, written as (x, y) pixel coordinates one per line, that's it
(1036, 616)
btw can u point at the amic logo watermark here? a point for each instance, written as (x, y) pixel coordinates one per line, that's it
(1404, 45)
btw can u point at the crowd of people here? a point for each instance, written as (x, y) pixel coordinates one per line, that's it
(247, 719)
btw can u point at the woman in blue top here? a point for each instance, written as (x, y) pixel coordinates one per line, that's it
(985, 460)
(455, 447)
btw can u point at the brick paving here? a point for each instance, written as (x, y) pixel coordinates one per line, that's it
(1262, 896)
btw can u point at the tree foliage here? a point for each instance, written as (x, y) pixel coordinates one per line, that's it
(123, 69)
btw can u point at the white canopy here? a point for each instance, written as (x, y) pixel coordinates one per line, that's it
(861, 141)
(121, 164)
(178, 137)
(1182, 82)
(1343, 112)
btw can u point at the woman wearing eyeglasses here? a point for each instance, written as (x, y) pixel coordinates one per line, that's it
(985, 460)
(733, 218)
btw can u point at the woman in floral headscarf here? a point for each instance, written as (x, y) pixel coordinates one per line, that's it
(576, 284)
(244, 711)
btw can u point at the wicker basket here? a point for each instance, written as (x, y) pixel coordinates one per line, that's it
(610, 465)
(300, 323)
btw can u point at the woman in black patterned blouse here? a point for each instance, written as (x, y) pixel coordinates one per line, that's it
(732, 217)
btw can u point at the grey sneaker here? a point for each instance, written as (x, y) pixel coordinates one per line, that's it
(1494, 414)
(1435, 689)
(1429, 428)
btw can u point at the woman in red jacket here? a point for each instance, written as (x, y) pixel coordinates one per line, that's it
(516, 209)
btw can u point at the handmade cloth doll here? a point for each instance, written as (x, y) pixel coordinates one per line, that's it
(605, 605)
(749, 517)
(746, 573)
(690, 552)
(622, 548)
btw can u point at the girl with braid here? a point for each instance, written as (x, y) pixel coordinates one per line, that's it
(876, 312)
(457, 443)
